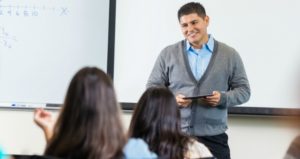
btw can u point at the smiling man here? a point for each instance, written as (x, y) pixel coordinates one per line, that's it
(201, 65)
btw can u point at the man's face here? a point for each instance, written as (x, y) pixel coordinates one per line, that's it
(194, 29)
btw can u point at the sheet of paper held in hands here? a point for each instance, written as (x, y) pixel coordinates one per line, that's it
(198, 96)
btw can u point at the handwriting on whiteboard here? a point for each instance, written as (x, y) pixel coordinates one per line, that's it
(26, 11)
(6, 39)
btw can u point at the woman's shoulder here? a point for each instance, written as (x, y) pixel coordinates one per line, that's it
(197, 150)
(138, 149)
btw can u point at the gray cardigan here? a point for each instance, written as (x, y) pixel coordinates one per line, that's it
(225, 73)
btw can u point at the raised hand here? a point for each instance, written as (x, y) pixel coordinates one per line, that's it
(45, 121)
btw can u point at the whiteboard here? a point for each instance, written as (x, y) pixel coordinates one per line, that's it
(265, 32)
(43, 43)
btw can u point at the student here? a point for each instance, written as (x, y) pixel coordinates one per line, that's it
(198, 65)
(293, 151)
(89, 124)
(2, 154)
(156, 119)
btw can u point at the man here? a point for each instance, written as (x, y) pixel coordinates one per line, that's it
(201, 65)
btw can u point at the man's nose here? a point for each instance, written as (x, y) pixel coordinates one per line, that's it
(190, 28)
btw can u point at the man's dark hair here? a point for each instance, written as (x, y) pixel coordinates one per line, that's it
(192, 7)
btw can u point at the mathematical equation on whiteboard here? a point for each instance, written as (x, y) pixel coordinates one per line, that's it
(6, 39)
(26, 11)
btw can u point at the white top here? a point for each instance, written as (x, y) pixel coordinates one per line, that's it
(197, 150)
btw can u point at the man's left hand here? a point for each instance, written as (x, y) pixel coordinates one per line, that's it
(213, 100)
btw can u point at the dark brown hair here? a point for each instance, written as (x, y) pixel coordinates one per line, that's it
(192, 7)
(156, 119)
(89, 125)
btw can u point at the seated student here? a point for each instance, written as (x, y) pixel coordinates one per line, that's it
(3, 155)
(89, 124)
(156, 119)
(293, 151)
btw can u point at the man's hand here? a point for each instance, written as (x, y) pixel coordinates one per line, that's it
(213, 100)
(182, 102)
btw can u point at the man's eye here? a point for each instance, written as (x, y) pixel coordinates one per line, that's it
(194, 22)
(184, 25)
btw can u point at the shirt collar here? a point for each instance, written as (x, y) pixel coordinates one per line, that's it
(209, 45)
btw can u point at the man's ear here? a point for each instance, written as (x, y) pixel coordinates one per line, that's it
(206, 19)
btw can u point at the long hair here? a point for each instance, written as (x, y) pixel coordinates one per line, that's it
(89, 125)
(156, 119)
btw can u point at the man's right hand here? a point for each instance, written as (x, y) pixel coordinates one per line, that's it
(182, 102)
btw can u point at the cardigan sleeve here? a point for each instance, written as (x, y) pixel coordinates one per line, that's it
(239, 88)
(159, 74)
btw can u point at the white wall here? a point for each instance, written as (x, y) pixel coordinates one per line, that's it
(260, 137)
(19, 135)
(249, 137)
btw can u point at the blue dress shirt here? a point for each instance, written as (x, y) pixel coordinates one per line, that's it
(199, 58)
